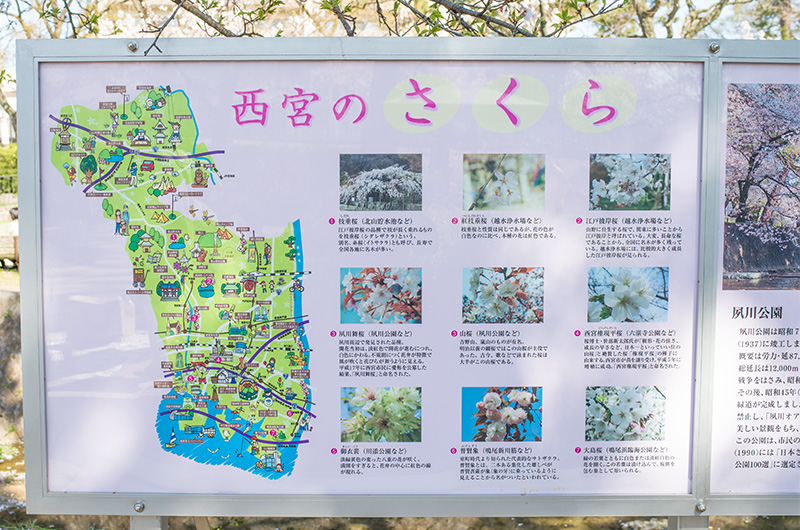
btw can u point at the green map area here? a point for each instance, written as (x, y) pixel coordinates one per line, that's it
(228, 301)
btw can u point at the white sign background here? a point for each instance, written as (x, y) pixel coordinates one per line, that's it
(101, 356)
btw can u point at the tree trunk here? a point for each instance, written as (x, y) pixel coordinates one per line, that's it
(785, 19)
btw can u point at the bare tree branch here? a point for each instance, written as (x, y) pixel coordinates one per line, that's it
(669, 19)
(382, 18)
(216, 26)
(162, 28)
(699, 19)
(69, 18)
(459, 8)
(348, 21)
(613, 6)
(427, 20)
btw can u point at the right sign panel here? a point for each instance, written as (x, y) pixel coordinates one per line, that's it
(756, 432)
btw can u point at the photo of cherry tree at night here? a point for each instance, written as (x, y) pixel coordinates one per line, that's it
(628, 294)
(381, 295)
(503, 295)
(762, 187)
(501, 414)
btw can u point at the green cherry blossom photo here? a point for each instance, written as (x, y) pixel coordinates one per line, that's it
(628, 294)
(503, 182)
(381, 414)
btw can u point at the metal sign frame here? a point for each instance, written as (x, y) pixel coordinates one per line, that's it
(712, 55)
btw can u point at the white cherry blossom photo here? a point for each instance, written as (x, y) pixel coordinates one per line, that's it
(628, 294)
(625, 413)
(503, 295)
(503, 182)
(629, 181)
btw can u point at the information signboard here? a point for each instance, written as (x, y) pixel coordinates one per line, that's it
(422, 277)
(756, 410)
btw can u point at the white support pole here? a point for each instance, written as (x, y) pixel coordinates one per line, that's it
(687, 523)
(141, 522)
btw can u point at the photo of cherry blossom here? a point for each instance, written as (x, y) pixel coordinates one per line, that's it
(625, 413)
(503, 182)
(501, 414)
(762, 188)
(382, 414)
(503, 295)
(629, 181)
(628, 294)
(381, 295)
(387, 182)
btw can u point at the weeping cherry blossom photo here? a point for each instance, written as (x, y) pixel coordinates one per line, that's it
(387, 182)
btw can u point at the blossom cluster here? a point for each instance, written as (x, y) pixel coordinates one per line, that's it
(509, 181)
(510, 414)
(382, 295)
(381, 414)
(391, 188)
(503, 295)
(782, 237)
(627, 294)
(630, 181)
(625, 413)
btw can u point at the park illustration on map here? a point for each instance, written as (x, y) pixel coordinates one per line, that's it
(228, 301)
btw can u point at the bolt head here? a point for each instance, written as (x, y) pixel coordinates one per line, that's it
(139, 507)
(132, 46)
(700, 507)
(714, 47)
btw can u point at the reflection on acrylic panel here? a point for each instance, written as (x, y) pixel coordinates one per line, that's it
(501, 414)
(503, 295)
(628, 294)
(503, 182)
(629, 181)
(387, 182)
(762, 188)
(370, 414)
(381, 295)
(625, 413)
